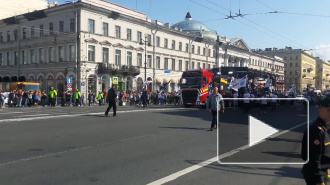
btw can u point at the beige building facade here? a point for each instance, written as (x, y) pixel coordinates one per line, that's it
(323, 72)
(92, 41)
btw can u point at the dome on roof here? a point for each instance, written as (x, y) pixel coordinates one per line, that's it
(192, 26)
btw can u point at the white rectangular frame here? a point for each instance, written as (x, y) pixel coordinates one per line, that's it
(247, 146)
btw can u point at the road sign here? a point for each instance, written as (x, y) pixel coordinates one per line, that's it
(167, 71)
(69, 85)
(69, 80)
(115, 80)
(69, 89)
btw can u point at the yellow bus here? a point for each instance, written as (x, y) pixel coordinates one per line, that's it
(25, 86)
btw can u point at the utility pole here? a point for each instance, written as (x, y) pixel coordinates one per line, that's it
(78, 50)
(18, 50)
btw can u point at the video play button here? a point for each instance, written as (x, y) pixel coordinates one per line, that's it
(259, 131)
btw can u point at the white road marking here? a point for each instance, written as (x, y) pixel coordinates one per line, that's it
(213, 160)
(32, 115)
(6, 121)
(12, 113)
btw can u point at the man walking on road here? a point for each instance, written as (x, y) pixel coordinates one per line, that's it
(78, 96)
(317, 170)
(100, 98)
(212, 105)
(144, 98)
(112, 101)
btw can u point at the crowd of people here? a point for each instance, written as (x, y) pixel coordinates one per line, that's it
(20, 98)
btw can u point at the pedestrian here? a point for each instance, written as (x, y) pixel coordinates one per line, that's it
(273, 103)
(213, 102)
(144, 98)
(2, 100)
(112, 100)
(100, 98)
(43, 99)
(235, 100)
(52, 96)
(246, 102)
(316, 170)
(36, 99)
(82, 99)
(78, 96)
(263, 104)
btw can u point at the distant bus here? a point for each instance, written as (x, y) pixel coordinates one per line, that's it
(25, 86)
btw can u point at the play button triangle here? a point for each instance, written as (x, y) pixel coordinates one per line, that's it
(259, 131)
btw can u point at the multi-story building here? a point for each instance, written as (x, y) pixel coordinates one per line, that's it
(300, 67)
(18, 7)
(323, 72)
(92, 41)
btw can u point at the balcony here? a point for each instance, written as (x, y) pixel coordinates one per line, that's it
(113, 69)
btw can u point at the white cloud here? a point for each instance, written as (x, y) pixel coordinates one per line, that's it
(322, 51)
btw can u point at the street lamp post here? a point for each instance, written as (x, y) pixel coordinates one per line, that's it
(145, 55)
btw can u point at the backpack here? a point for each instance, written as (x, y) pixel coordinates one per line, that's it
(304, 144)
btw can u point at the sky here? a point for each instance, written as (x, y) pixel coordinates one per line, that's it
(300, 24)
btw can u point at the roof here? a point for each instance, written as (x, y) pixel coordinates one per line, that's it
(188, 24)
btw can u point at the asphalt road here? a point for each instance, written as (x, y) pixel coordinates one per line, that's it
(78, 146)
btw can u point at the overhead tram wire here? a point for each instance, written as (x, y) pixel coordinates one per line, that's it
(248, 25)
(266, 6)
(207, 7)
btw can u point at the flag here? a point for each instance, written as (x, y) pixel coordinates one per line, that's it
(239, 83)
(293, 90)
(268, 83)
(146, 83)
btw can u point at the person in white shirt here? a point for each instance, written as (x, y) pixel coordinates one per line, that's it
(235, 100)
(273, 103)
(246, 97)
(263, 104)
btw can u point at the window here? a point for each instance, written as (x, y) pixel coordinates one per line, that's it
(72, 25)
(15, 35)
(180, 46)
(139, 37)
(296, 72)
(8, 59)
(285, 65)
(180, 65)
(51, 28)
(41, 55)
(204, 65)
(149, 40)
(192, 65)
(61, 26)
(187, 65)
(139, 59)
(209, 53)
(173, 44)
(60, 53)
(209, 66)
(41, 28)
(204, 49)
(198, 65)
(157, 62)
(16, 58)
(105, 29)
(166, 64)
(187, 48)
(32, 56)
(51, 54)
(296, 57)
(149, 61)
(214, 53)
(105, 55)
(213, 66)
(173, 64)
(1, 37)
(158, 41)
(91, 26)
(91, 53)
(8, 36)
(290, 57)
(290, 72)
(129, 34)
(72, 53)
(285, 58)
(290, 64)
(296, 64)
(199, 50)
(304, 70)
(193, 49)
(118, 57)
(1, 60)
(165, 43)
(32, 31)
(129, 58)
(117, 32)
